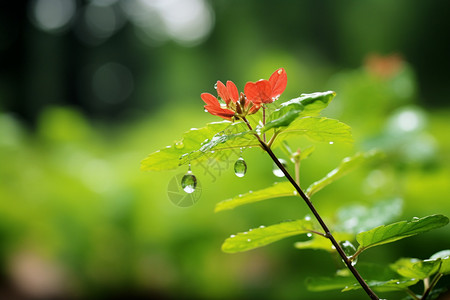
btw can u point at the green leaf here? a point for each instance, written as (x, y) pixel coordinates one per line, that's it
(282, 189)
(357, 218)
(322, 284)
(347, 165)
(377, 277)
(317, 129)
(196, 143)
(306, 152)
(318, 242)
(396, 231)
(262, 236)
(416, 268)
(305, 105)
(444, 256)
(385, 286)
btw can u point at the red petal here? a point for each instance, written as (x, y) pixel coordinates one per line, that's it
(221, 112)
(278, 80)
(210, 99)
(223, 92)
(254, 109)
(232, 91)
(259, 91)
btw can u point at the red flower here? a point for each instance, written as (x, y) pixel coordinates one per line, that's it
(267, 91)
(235, 105)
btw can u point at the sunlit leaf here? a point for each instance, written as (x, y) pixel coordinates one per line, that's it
(282, 189)
(262, 236)
(318, 242)
(197, 142)
(416, 268)
(444, 256)
(378, 277)
(347, 165)
(317, 129)
(305, 105)
(390, 233)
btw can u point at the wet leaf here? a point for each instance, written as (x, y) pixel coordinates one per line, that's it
(283, 189)
(263, 236)
(196, 143)
(390, 233)
(416, 268)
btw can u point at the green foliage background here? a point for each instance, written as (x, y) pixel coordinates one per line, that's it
(78, 219)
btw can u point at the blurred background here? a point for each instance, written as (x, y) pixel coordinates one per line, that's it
(89, 88)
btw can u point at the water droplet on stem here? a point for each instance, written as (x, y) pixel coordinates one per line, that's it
(277, 171)
(349, 250)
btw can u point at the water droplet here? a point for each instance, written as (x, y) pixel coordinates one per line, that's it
(415, 218)
(179, 145)
(215, 86)
(309, 234)
(189, 182)
(240, 167)
(249, 240)
(245, 232)
(262, 226)
(307, 218)
(232, 236)
(295, 193)
(250, 229)
(277, 171)
(349, 250)
(212, 151)
(250, 192)
(331, 143)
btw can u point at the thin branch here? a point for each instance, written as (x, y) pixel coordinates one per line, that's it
(412, 294)
(432, 285)
(308, 202)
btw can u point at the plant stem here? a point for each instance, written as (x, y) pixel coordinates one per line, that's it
(308, 202)
(432, 285)
(297, 171)
(412, 294)
(264, 121)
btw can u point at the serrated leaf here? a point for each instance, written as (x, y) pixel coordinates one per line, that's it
(283, 189)
(347, 165)
(322, 243)
(416, 268)
(357, 218)
(263, 236)
(444, 256)
(305, 105)
(317, 129)
(196, 143)
(390, 233)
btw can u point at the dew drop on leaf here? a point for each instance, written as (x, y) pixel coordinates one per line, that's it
(349, 250)
(189, 182)
(277, 171)
(240, 167)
